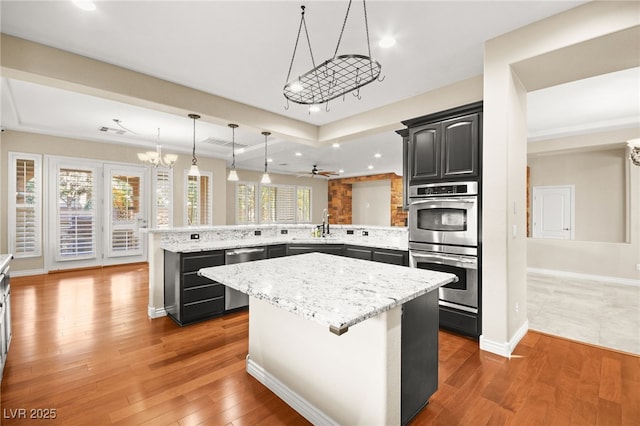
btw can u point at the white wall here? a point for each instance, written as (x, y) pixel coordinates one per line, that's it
(549, 52)
(371, 203)
(609, 249)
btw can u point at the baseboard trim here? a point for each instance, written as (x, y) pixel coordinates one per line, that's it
(599, 278)
(27, 272)
(297, 402)
(504, 349)
(154, 313)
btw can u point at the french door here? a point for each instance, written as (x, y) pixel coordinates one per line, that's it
(95, 213)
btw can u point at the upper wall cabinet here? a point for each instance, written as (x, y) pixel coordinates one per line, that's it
(444, 146)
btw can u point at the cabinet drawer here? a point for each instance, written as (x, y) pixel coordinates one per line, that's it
(203, 292)
(203, 309)
(192, 263)
(192, 279)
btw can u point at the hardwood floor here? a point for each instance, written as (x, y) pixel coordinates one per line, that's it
(84, 347)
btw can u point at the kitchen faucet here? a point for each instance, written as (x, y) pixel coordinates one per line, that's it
(325, 219)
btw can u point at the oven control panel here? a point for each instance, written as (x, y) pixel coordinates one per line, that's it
(437, 189)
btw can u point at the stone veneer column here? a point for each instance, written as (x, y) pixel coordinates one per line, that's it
(340, 198)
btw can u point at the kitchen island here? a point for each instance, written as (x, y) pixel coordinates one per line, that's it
(341, 340)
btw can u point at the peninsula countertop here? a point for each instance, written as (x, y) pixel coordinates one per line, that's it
(4, 260)
(331, 290)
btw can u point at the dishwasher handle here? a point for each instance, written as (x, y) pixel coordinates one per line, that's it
(244, 251)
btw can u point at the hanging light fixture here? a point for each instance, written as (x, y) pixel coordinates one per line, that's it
(335, 77)
(265, 176)
(194, 171)
(233, 176)
(156, 159)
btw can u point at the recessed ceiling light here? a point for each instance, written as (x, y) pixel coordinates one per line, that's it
(386, 42)
(377, 155)
(370, 167)
(341, 171)
(314, 108)
(85, 4)
(270, 160)
(240, 151)
(296, 86)
(298, 154)
(336, 145)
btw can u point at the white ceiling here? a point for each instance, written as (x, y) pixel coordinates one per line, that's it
(242, 50)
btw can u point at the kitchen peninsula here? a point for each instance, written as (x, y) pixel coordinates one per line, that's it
(342, 340)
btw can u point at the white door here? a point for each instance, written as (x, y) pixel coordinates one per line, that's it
(125, 213)
(553, 212)
(95, 212)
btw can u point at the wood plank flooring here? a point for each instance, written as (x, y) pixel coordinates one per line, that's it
(84, 347)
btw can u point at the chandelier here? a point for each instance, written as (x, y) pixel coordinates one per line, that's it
(335, 77)
(156, 159)
(634, 151)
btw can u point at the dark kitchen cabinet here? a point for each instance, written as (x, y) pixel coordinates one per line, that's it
(460, 139)
(445, 146)
(188, 297)
(393, 257)
(357, 252)
(337, 249)
(279, 250)
(424, 152)
(404, 133)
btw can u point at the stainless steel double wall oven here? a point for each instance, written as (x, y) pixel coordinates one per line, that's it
(443, 236)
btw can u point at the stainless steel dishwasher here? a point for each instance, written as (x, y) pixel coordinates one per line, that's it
(234, 299)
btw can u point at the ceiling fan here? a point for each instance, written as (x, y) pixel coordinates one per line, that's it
(315, 171)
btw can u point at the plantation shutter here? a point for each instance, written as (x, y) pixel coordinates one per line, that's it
(76, 214)
(163, 201)
(25, 238)
(304, 204)
(245, 203)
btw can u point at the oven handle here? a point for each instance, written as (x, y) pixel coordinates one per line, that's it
(460, 262)
(445, 200)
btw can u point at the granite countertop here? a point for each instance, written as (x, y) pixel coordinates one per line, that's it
(195, 246)
(4, 261)
(334, 291)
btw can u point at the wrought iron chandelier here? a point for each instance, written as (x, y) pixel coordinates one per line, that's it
(335, 77)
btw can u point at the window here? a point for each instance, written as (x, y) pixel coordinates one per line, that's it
(277, 204)
(25, 201)
(245, 203)
(199, 196)
(303, 204)
(272, 203)
(76, 214)
(163, 198)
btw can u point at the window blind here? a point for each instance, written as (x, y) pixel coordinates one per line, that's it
(245, 203)
(163, 194)
(125, 208)
(25, 238)
(76, 214)
(277, 203)
(303, 203)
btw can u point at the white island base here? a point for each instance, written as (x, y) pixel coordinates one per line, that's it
(352, 379)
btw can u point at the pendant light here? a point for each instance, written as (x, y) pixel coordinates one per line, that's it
(194, 171)
(265, 176)
(233, 176)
